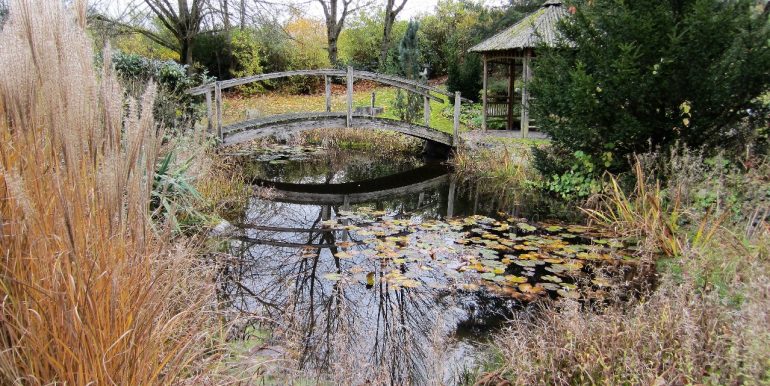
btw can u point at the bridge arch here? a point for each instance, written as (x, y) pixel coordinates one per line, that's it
(278, 124)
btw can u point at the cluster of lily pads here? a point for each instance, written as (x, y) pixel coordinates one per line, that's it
(507, 256)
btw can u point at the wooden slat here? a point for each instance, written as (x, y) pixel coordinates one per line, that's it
(274, 75)
(456, 126)
(263, 127)
(328, 93)
(218, 96)
(390, 79)
(209, 113)
(349, 119)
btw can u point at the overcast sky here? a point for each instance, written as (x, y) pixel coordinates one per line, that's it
(312, 7)
(411, 9)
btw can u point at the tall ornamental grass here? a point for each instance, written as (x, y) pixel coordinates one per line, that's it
(91, 292)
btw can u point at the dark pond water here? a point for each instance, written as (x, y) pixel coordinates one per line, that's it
(384, 267)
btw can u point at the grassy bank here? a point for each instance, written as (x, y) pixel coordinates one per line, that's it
(705, 231)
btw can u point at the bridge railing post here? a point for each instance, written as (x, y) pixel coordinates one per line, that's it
(456, 127)
(218, 97)
(371, 106)
(349, 120)
(328, 89)
(426, 110)
(209, 113)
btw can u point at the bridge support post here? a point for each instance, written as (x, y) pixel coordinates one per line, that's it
(349, 120)
(426, 110)
(450, 206)
(456, 126)
(218, 97)
(328, 89)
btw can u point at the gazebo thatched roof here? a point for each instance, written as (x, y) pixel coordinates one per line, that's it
(537, 27)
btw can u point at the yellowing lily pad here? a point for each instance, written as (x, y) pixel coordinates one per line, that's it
(516, 279)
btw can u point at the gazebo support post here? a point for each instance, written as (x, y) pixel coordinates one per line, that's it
(484, 95)
(525, 75)
(511, 80)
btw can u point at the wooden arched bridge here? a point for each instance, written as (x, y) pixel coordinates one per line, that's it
(279, 124)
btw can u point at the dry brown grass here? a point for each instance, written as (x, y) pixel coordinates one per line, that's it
(504, 165)
(382, 142)
(92, 292)
(706, 323)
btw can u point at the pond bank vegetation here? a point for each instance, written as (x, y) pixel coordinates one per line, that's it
(703, 224)
(629, 268)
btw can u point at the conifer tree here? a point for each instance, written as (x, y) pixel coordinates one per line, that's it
(631, 75)
(408, 105)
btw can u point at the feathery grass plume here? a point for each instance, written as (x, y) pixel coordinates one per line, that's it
(89, 292)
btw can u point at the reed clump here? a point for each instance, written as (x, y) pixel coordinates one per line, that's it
(91, 291)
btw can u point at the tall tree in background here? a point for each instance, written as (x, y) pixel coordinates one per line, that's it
(391, 12)
(184, 23)
(407, 105)
(177, 26)
(335, 21)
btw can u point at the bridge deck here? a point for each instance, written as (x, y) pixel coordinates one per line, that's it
(289, 123)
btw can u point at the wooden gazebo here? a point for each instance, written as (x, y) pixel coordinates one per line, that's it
(511, 51)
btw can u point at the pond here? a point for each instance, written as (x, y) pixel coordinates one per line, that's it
(379, 266)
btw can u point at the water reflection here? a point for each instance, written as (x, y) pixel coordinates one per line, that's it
(351, 303)
(361, 329)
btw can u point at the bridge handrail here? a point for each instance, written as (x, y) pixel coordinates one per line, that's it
(377, 77)
(214, 107)
(223, 84)
(395, 81)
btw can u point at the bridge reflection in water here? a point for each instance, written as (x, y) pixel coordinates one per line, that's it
(357, 331)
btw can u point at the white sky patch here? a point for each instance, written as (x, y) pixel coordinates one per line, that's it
(412, 9)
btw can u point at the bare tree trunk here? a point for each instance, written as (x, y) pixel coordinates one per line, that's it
(243, 14)
(186, 54)
(335, 23)
(224, 6)
(332, 49)
(390, 18)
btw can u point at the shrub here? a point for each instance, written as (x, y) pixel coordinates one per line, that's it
(173, 107)
(465, 76)
(645, 73)
(214, 53)
(246, 51)
(359, 42)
